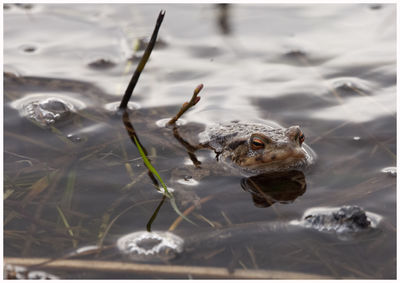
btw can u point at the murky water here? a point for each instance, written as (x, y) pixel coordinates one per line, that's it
(68, 186)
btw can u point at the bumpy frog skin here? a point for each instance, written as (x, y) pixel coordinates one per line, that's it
(258, 148)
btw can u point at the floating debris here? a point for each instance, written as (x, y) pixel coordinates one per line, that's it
(102, 64)
(392, 171)
(150, 246)
(375, 6)
(28, 48)
(295, 53)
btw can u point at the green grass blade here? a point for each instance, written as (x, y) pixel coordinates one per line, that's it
(155, 173)
(64, 219)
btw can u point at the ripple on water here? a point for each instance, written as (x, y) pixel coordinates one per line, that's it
(101, 64)
(46, 109)
(113, 106)
(162, 123)
(351, 86)
(28, 48)
(188, 180)
(150, 246)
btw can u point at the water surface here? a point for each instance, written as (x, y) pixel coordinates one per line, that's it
(329, 68)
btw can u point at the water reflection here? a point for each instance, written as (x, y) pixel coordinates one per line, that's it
(267, 79)
(267, 189)
(135, 140)
(223, 18)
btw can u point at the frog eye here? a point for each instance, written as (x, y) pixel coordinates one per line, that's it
(301, 138)
(257, 143)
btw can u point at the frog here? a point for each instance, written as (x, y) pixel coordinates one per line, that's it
(255, 148)
(246, 149)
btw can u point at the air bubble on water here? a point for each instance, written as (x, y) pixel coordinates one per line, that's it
(163, 122)
(189, 162)
(114, 106)
(188, 180)
(74, 138)
(41, 98)
(148, 246)
(392, 171)
(352, 84)
(20, 272)
(161, 190)
(41, 275)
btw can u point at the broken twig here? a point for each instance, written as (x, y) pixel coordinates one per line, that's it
(163, 270)
(187, 105)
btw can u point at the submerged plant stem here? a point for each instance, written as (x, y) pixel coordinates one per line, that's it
(152, 171)
(187, 212)
(66, 224)
(153, 217)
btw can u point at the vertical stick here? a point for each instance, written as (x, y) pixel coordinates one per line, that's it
(142, 63)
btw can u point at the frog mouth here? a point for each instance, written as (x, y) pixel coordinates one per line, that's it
(276, 162)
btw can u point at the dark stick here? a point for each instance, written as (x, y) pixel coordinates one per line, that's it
(153, 217)
(142, 63)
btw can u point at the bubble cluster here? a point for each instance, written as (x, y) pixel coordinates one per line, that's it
(19, 272)
(47, 109)
(150, 246)
(343, 221)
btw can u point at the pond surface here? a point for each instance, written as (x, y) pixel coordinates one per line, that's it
(76, 181)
